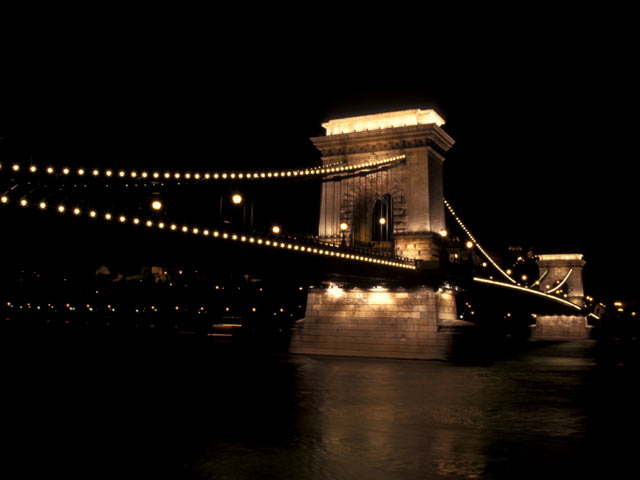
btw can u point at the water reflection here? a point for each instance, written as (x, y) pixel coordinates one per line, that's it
(355, 418)
(185, 412)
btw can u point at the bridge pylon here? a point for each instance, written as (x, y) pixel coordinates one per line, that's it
(562, 276)
(396, 209)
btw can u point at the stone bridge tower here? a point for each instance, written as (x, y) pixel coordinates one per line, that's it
(563, 273)
(398, 209)
(407, 198)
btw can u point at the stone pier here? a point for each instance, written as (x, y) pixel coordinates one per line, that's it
(377, 322)
(400, 209)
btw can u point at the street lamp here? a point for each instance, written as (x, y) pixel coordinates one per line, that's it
(236, 199)
(275, 229)
(343, 229)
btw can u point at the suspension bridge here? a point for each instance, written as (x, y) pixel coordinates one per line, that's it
(381, 238)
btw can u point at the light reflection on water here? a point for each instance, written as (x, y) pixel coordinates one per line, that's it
(367, 418)
(549, 412)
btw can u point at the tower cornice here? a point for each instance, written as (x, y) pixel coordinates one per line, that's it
(398, 138)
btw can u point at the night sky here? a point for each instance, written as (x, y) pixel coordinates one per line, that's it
(543, 114)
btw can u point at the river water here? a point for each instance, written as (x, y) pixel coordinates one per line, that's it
(165, 409)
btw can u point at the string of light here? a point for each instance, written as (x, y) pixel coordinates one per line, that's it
(486, 255)
(164, 308)
(528, 290)
(290, 245)
(564, 280)
(156, 175)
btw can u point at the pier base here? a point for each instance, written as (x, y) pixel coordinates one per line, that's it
(417, 323)
(560, 327)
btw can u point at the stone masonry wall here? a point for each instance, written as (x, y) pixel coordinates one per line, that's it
(418, 246)
(560, 327)
(375, 323)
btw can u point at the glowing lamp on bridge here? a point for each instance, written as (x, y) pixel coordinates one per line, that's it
(275, 229)
(4, 199)
(443, 232)
(236, 199)
(344, 226)
(382, 220)
(156, 205)
(469, 244)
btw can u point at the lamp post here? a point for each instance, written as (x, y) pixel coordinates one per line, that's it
(343, 230)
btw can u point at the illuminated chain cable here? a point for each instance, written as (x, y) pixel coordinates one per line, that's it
(539, 280)
(293, 246)
(564, 280)
(528, 290)
(486, 255)
(217, 176)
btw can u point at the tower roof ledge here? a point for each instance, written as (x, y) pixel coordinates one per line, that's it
(382, 121)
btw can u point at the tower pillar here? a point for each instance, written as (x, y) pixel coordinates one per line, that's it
(397, 208)
(563, 276)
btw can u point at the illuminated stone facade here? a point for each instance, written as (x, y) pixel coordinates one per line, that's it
(414, 186)
(377, 323)
(416, 322)
(561, 327)
(559, 266)
(564, 273)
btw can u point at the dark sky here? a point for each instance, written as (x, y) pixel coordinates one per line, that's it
(543, 113)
